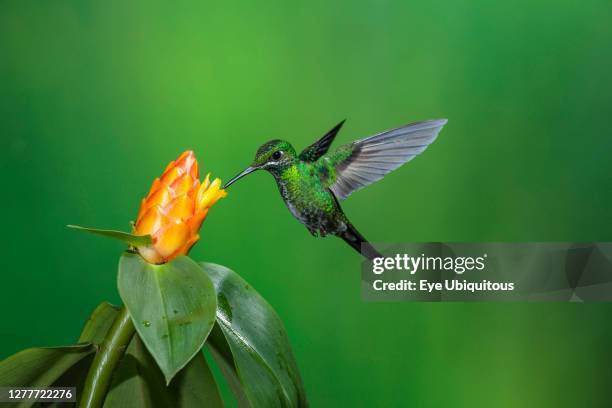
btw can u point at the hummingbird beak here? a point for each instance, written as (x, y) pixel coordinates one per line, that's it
(246, 171)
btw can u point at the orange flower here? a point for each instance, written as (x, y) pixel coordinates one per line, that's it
(174, 209)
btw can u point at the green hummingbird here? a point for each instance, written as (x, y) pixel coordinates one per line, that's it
(313, 183)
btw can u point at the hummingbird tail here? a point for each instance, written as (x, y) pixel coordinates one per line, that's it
(352, 237)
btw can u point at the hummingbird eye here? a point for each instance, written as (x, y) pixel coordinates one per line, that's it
(277, 155)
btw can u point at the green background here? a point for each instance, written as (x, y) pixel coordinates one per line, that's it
(96, 98)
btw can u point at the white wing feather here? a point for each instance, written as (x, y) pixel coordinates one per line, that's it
(377, 155)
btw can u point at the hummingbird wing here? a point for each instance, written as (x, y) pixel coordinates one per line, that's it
(321, 146)
(365, 161)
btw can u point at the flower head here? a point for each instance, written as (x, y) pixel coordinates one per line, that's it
(174, 209)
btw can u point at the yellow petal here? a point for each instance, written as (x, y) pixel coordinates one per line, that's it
(171, 175)
(181, 185)
(195, 222)
(203, 187)
(184, 155)
(160, 198)
(186, 162)
(168, 167)
(195, 170)
(186, 247)
(142, 209)
(150, 222)
(154, 186)
(181, 208)
(171, 238)
(211, 195)
(194, 189)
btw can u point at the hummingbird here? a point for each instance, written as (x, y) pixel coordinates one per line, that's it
(313, 183)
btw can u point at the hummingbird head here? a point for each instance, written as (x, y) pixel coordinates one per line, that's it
(273, 156)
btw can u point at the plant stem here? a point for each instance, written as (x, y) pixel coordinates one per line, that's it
(111, 350)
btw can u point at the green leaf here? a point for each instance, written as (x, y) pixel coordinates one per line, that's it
(74, 377)
(139, 383)
(134, 240)
(220, 351)
(59, 366)
(98, 323)
(172, 305)
(41, 367)
(251, 346)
